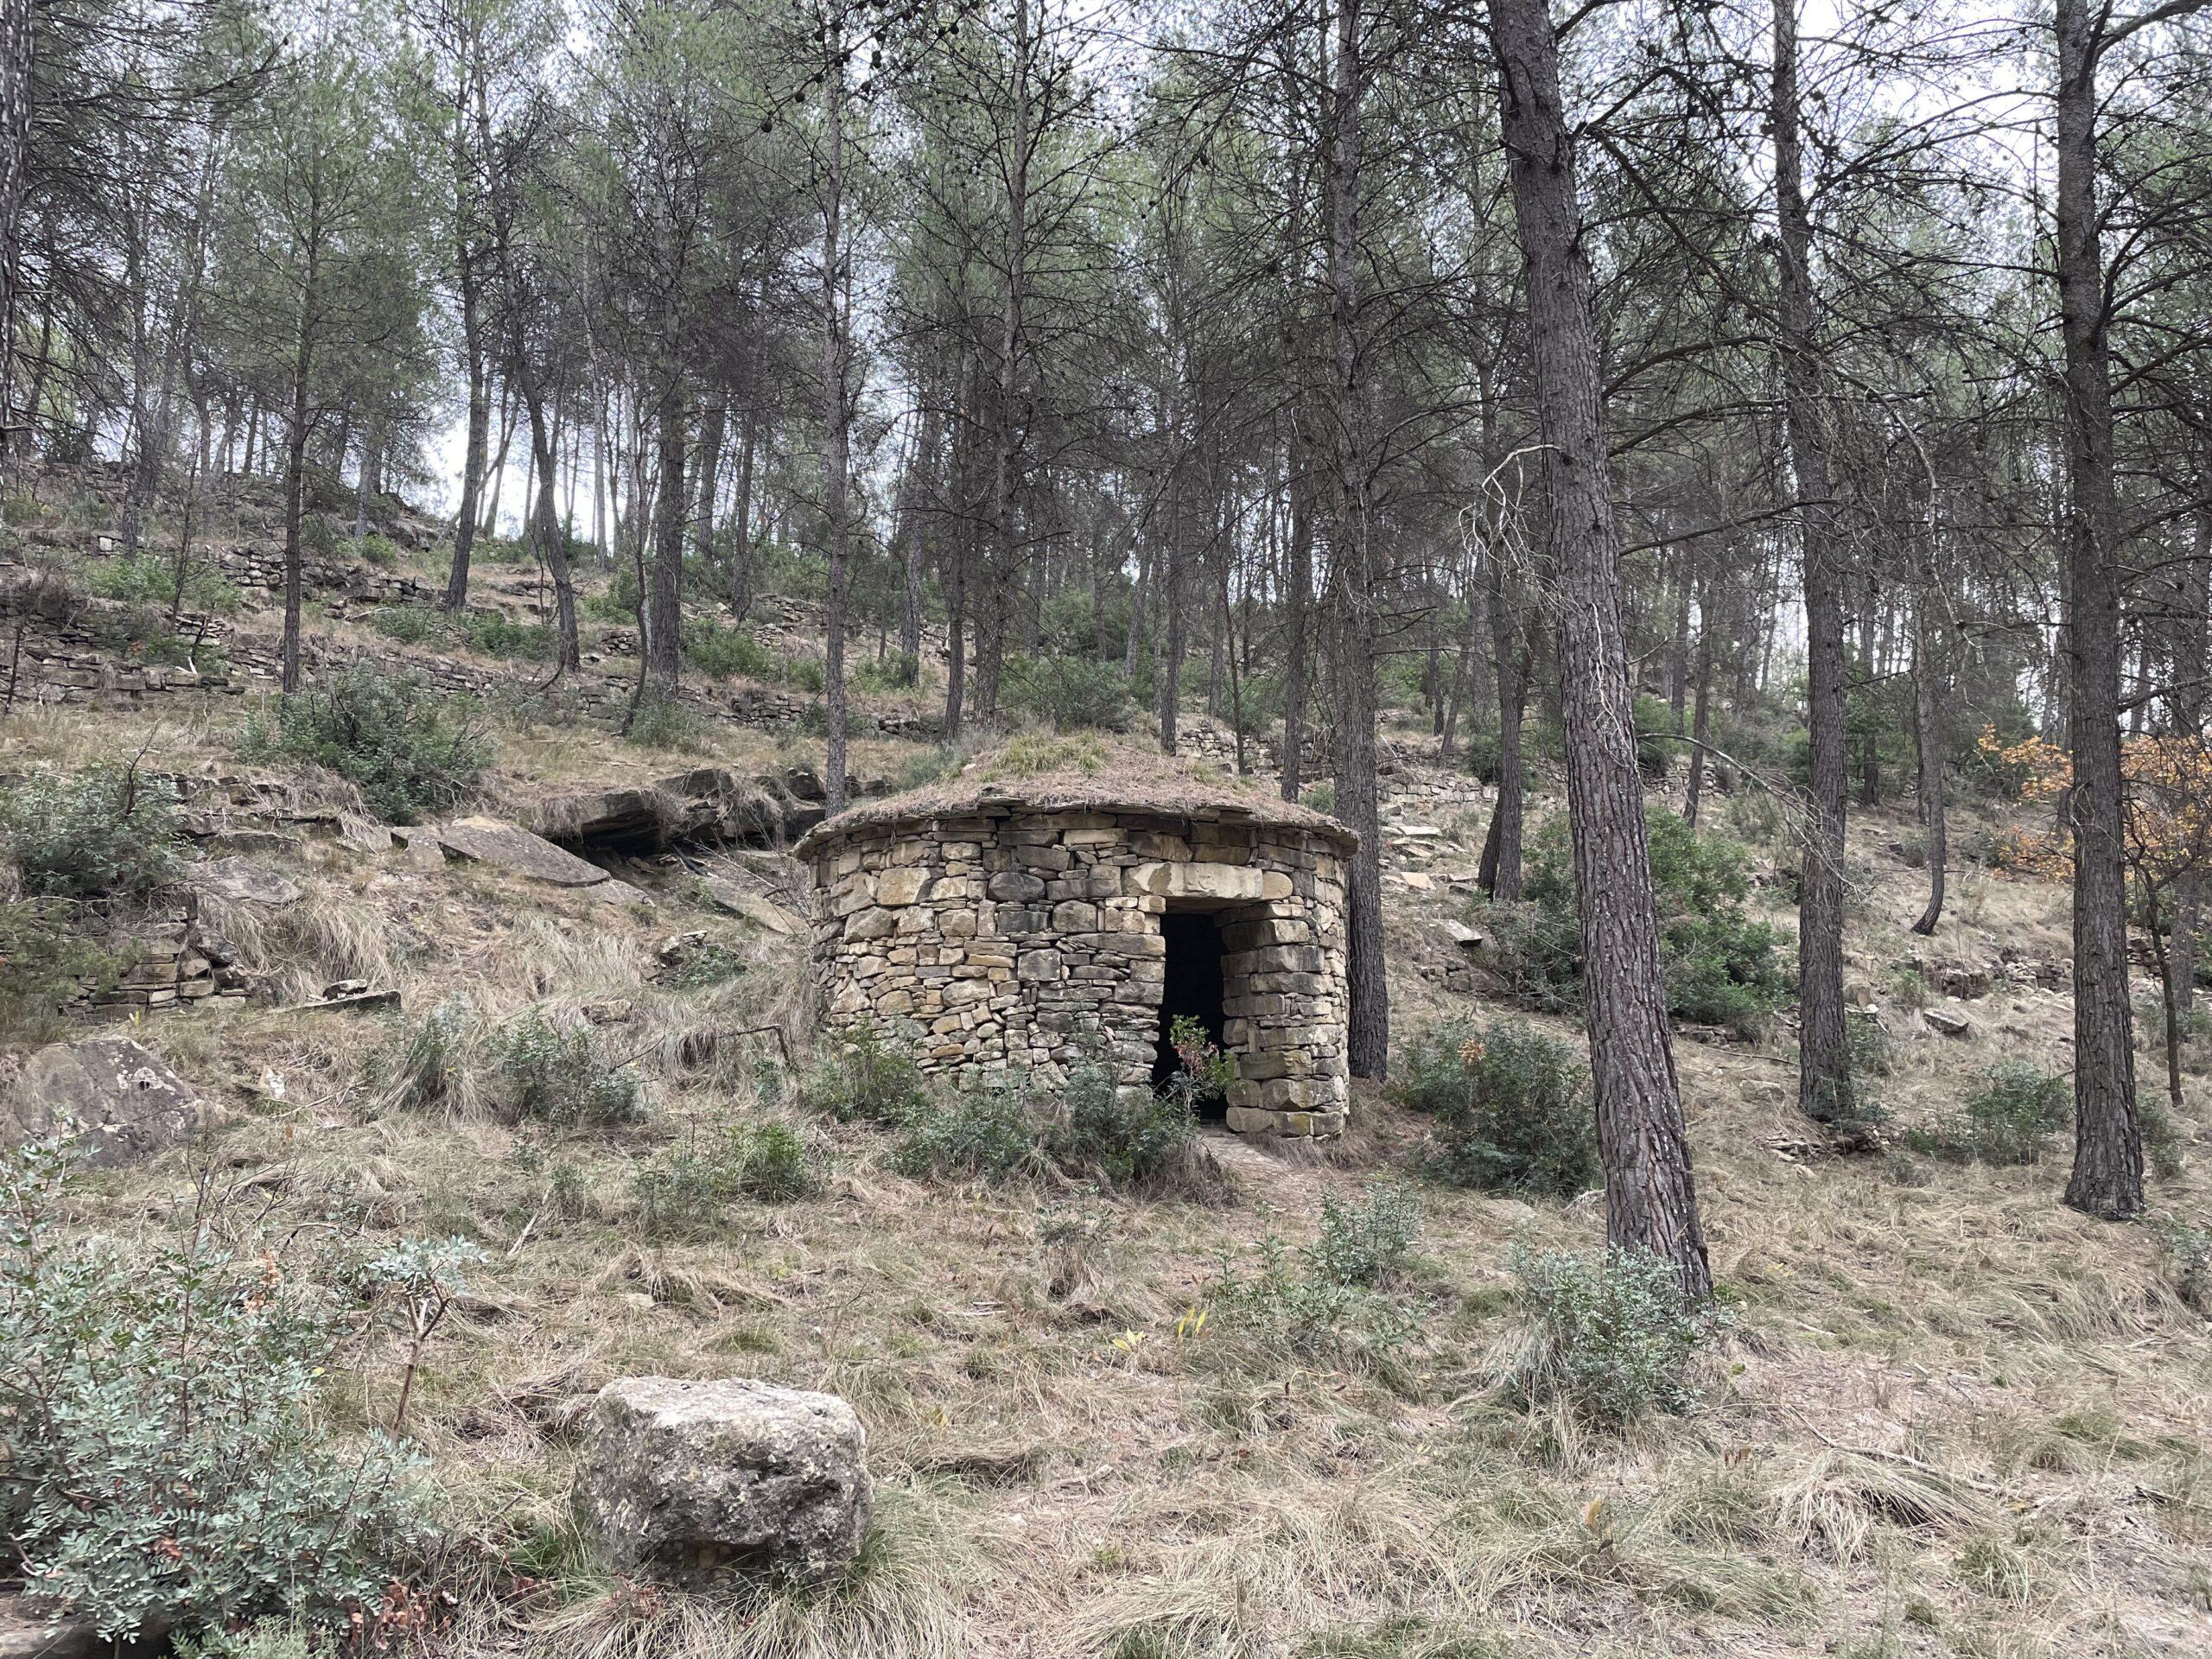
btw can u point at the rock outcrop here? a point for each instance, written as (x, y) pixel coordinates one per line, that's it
(690, 1482)
(115, 1101)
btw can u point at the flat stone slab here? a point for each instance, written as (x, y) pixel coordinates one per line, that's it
(118, 1102)
(510, 847)
(244, 882)
(31, 1629)
(728, 896)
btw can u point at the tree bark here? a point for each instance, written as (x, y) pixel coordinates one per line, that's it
(713, 420)
(18, 46)
(1351, 574)
(2108, 1174)
(837, 461)
(1650, 1196)
(1824, 1081)
(661, 605)
(1929, 733)
(1298, 610)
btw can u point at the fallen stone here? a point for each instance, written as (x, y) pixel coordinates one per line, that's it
(690, 1482)
(363, 835)
(31, 1629)
(516, 850)
(707, 804)
(762, 913)
(1951, 1025)
(1465, 938)
(117, 1102)
(242, 881)
(348, 1002)
(618, 1012)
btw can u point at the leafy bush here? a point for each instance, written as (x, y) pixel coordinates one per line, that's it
(44, 959)
(1613, 1334)
(664, 722)
(159, 1429)
(1331, 1296)
(2188, 1247)
(494, 634)
(1070, 693)
(1484, 754)
(411, 625)
(379, 550)
(558, 1076)
(1721, 967)
(684, 1187)
(1512, 1109)
(720, 652)
(2009, 1119)
(1005, 1125)
(899, 670)
(411, 750)
(109, 829)
(143, 578)
(864, 1080)
(1366, 1244)
(1654, 745)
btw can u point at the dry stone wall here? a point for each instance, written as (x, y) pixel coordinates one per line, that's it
(1013, 939)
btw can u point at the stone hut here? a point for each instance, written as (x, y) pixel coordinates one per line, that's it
(1067, 917)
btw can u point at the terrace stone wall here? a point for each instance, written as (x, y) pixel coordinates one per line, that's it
(1012, 937)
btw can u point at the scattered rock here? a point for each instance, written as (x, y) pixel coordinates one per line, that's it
(360, 1001)
(1465, 938)
(242, 881)
(363, 835)
(689, 1481)
(1951, 1025)
(516, 850)
(122, 1101)
(707, 804)
(618, 1011)
(761, 913)
(32, 1629)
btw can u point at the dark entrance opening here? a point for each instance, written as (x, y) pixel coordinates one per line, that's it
(1192, 990)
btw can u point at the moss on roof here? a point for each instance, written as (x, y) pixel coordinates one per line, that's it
(1083, 774)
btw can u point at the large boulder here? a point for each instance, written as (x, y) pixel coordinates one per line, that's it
(116, 1102)
(689, 1482)
(708, 804)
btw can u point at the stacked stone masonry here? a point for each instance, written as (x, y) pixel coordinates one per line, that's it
(1033, 939)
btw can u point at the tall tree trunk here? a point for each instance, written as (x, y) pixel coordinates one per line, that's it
(837, 460)
(1351, 574)
(497, 471)
(741, 551)
(296, 451)
(714, 420)
(479, 432)
(661, 606)
(1651, 1197)
(1297, 612)
(1824, 1082)
(2192, 599)
(1928, 694)
(1700, 705)
(2108, 1174)
(18, 38)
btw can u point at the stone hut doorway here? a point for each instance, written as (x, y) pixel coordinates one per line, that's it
(1192, 988)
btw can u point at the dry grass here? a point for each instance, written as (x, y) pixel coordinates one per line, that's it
(1954, 1417)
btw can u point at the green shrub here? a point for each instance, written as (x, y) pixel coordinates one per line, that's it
(1655, 747)
(1333, 1296)
(1366, 1244)
(494, 634)
(2188, 1248)
(2008, 1119)
(411, 625)
(722, 652)
(685, 1187)
(1613, 1334)
(144, 579)
(1484, 755)
(985, 1130)
(664, 722)
(1009, 1124)
(1512, 1109)
(109, 829)
(899, 670)
(44, 959)
(1721, 967)
(379, 550)
(558, 1076)
(864, 1080)
(411, 750)
(166, 1458)
(1070, 693)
